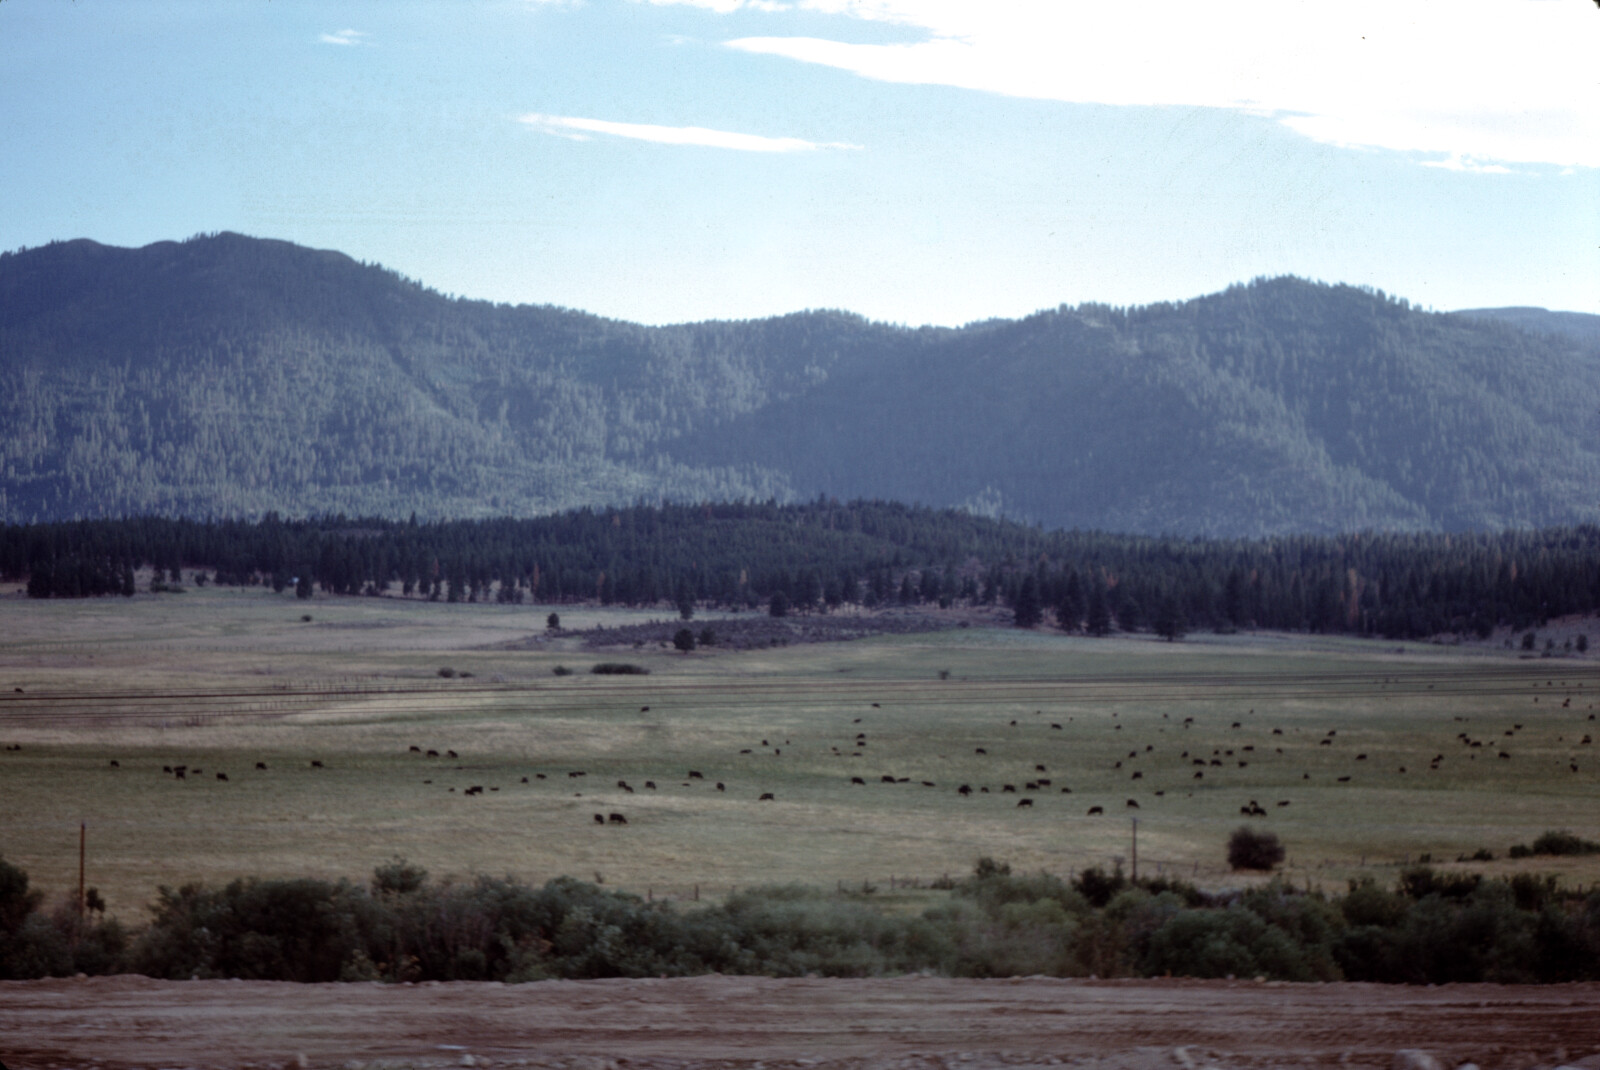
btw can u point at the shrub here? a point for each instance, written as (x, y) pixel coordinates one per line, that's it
(1251, 849)
(561, 670)
(1564, 843)
(619, 668)
(447, 672)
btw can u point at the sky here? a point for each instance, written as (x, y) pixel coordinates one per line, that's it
(914, 161)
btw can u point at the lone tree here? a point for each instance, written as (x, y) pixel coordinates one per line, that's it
(684, 640)
(779, 606)
(1249, 849)
(1171, 623)
(553, 622)
(1026, 608)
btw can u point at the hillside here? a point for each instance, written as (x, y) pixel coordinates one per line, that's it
(228, 375)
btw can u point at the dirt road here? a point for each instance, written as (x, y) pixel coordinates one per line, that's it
(763, 1024)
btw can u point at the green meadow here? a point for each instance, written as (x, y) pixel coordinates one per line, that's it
(219, 680)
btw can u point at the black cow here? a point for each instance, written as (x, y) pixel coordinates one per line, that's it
(222, 776)
(261, 765)
(857, 780)
(618, 819)
(1093, 810)
(1024, 802)
(766, 796)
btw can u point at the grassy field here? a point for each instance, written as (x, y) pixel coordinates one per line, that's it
(220, 680)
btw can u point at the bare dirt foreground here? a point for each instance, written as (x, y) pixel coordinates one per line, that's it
(763, 1024)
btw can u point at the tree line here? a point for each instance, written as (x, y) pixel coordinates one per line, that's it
(1430, 927)
(825, 554)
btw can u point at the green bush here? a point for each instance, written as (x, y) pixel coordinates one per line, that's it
(1251, 849)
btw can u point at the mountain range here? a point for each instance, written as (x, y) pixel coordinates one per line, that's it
(228, 375)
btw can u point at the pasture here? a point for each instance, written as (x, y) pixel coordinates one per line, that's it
(219, 680)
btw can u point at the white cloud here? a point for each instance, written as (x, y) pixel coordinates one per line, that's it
(1491, 81)
(343, 37)
(579, 130)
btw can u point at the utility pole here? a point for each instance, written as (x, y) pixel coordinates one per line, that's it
(1136, 849)
(83, 836)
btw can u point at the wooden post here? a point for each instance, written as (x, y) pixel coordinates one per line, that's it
(83, 836)
(1135, 849)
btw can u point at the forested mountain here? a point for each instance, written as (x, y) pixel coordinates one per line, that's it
(228, 375)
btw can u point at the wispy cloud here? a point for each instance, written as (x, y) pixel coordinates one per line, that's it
(1486, 81)
(344, 37)
(581, 129)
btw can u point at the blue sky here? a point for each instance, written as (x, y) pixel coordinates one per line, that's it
(917, 161)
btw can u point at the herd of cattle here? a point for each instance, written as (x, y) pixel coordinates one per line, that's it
(1037, 781)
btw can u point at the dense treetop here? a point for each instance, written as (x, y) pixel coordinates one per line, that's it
(231, 376)
(822, 555)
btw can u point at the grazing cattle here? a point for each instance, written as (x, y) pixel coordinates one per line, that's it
(629, 790)
(1140, 776)
(764, 743)
(1326, 743)
(1573, 767)
(874, 706)
(1055, 726)
(197, 771)
(965, 789)
(427, 782)
(1040, 769)
(695, 774)
(524, 780)
(1133, 804)
(1332, 732)
(1013, 724)
(451, 754)
(1283, 802)
(651, 784)
(644, 709)
(1216, 761)
(433, 754)
(887, 779)
(414, 749)
(1344, 780)
(1024, 802)
(540, 776)
(618, 819)
(720, 786)
(599, 819)
(983, 790)
(1004, 788)
(261, 765)
(1277, 731)
(166, 768)
(1032, 785)
(979, 750)
(928, 784)
(903, 780)
(766, 796)
(315, 764)
(747, 750)
(622, 783)
(1066, 791)
(115, 764)
(1096, 810)
(1249, 748)
(1243, 765)
(1199, 775)
(1505, 756)
(1235, 724)
(1361, 757)
(222, 776)
(857, 780)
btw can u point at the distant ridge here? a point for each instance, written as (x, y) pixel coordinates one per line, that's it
(228, 375)
(1581, 327)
